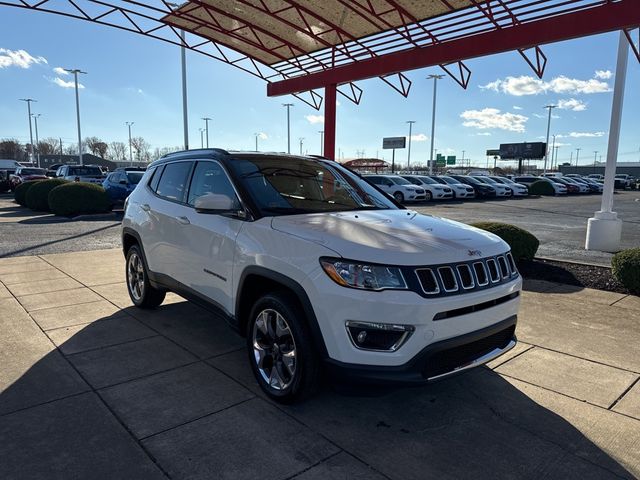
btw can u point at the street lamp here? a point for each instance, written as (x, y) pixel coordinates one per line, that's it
(553, 149)
(595, 159)
(577, 155)
(201, 137)
(546, 153)
(183, 58)
(75, 72)
(29, 100)
(556, 156)
(35, 119)
(321, 132)
(410, 122)
(128, 124)
(301, 141)
(206, 128)
(256, 135)
(433, 117)
(288, 105)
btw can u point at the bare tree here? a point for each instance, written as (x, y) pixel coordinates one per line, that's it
(117, 151)
(142, 148)
(96, 146)
(71, 149)
(48, 146)
(12, 149)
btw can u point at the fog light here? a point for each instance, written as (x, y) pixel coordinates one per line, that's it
(383, 337)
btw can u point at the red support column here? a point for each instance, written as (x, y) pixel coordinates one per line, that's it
(330, 121)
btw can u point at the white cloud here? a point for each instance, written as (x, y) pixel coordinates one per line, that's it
(262, 136)
(586, 134)
(492, 118)
(572, 104)
(483, 134)
(65, 84)
(603, 74)
(515, 107)
(18, 58)
(313, 119)
(540, 115)
(60, 71)
(527, 85)
(419, 137)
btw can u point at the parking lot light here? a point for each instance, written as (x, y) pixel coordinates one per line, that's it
(410, 122)
(35, 120)
(433, 117)
(128, 124)
(546, 153)
(75, 72)
(29, 100)
(288, 106)
(206, 128)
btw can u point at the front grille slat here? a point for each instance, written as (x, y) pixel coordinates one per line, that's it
(441, 280)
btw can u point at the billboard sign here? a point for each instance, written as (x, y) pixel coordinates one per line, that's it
(389, 143)
(527, 151)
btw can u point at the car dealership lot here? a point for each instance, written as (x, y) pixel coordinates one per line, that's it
(91, 387)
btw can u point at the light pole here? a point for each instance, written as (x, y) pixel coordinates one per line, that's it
(206, 128)
(546, 153)
(128, 124)
(75, 72)
(183, 59)
(410, 122)
(463, 151)
(29, 100)
(433, 117)
(289, 105)
(256, 135)
(321, 132)
(201, 137)
(553, 149)
(301, 141)
(556, 157)
(35, 120)
(595, 158)
(577, 155)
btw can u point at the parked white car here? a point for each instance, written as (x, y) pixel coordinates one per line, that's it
(433, 189)
(400, 189)
(502, 190)
(460, 190)
(518, 189)
(318, 270)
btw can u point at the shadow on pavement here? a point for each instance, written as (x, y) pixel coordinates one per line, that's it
(171, 391)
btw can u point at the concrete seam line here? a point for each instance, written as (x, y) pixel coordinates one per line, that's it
(633, 384)
(515, 356)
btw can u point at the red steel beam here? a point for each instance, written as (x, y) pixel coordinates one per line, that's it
(330, 121)
(605, 18)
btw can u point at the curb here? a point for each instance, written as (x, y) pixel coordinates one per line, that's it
(575, 262)
(97, 216)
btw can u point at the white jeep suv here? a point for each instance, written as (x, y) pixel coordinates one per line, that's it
(401, 189)
(318, 269)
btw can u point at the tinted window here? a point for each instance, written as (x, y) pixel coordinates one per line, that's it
(83, 171)
(209, 177)
(155, 178)
(33, 171)
(134, 177)
(428, 180)
(173, 182)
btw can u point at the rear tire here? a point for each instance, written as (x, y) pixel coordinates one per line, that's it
(142, 294)
(399, 197)
(428, 196)
(281, 350)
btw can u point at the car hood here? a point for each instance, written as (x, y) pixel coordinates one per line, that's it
(397, 237)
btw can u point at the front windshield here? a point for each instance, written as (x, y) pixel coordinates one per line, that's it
(427, 180)
(449, 180)
(33, 171)
(473, 180)
(489, 180)
(84, 171)
(290, 185)
(400, 181)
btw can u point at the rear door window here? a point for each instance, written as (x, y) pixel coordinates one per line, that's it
(174, 181)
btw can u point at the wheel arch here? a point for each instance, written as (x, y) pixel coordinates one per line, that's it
(255, 281)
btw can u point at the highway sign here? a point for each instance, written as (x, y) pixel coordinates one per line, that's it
(389, 143)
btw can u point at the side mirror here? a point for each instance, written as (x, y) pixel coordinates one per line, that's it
(214, 203)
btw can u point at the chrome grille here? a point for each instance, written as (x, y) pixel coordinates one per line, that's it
(466, 276)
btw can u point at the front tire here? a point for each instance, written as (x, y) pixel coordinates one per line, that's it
(142, 294)
(281, 350)
(399, 197)
(428, 196)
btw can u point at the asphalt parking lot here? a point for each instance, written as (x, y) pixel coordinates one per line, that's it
(91, 387)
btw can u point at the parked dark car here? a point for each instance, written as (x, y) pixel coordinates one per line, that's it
(120, 183)
(571, 187)
(26, 174)
(481, 189)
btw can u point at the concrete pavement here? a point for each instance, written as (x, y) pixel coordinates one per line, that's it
(91, 387)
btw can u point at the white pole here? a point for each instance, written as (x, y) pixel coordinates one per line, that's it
(185, 117)
(35, 119)
(546, 153)
(410, 122)
(29, 100)
(605, 228)
(75, 75)
(288, 105)
(433, 118)
(130, 149)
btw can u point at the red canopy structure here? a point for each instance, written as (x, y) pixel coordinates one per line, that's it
(299, 46)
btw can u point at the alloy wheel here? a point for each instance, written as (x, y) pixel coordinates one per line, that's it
(274, 349)
(135, 276)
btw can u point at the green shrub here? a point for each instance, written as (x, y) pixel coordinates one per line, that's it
(77, 198)
(524, 245)
(37, 198)
(625, 267)
(541, 187)
(20, 192)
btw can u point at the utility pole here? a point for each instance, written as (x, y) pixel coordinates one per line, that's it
(288, 106)
(546, 153)
(75, 72)
(321, 132)
(35, 119)
(433, 117)
(256, 135)
(29, 100)
(60, 146)
(577, 155)
(410, 122)
(206, 128)
(301, 141)
(201, 137)
(128, 124)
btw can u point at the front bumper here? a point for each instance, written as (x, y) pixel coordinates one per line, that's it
(437, 361)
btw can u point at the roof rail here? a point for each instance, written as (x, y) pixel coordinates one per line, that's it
(221, 151)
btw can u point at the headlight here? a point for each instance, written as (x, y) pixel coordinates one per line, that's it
(360, 275)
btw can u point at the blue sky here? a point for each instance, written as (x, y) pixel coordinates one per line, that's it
(133, 78)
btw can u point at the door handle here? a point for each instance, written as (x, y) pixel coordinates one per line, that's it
(145, 207)
(183, 220)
